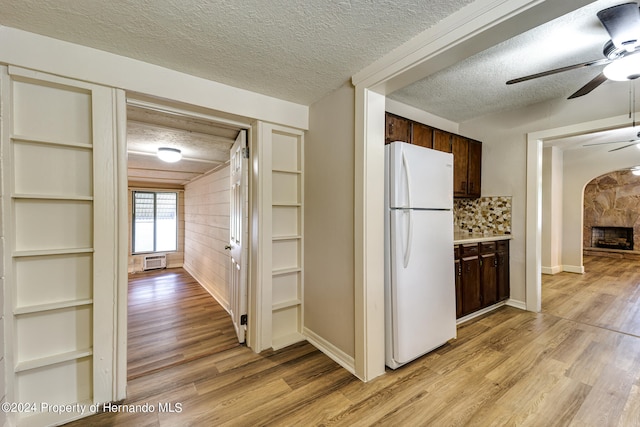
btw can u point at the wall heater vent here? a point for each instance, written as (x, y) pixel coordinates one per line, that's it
(153, 262)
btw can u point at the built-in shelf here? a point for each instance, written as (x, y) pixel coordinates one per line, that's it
(292, 237)
(281, 271)
(52, 252)
(51, 306)
(51, 197)
(285, 304)
(287, 171)
(24, 138)
(288, 204)
(52, 360)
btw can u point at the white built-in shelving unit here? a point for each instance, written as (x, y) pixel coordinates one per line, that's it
(287, 203)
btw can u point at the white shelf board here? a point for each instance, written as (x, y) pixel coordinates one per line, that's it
(25, 138)
(286, 304)
(51, 197)
(52, 360)
(51, 306)
(49, 252)
(286, 271)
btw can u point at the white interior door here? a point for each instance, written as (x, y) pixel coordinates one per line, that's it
(59, 213)
(238, 234)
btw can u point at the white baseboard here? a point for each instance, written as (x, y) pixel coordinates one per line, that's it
(517, 304)
(573, 269)
(551, 270)
(223, 302)
(333, 352)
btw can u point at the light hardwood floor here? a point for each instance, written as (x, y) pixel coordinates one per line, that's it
(575, 364)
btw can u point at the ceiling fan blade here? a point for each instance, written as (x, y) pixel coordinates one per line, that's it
(560, 70)
(594, 83)
(632, 141)
(622, 22)
(624, 146)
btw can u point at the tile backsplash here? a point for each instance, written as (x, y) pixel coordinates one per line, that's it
(483, 215)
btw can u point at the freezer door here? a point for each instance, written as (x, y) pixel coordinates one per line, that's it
(419, 177)
(422, 288)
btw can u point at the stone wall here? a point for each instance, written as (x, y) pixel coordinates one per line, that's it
(612, 200)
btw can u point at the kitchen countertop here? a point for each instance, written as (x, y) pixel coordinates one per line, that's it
(460, 237)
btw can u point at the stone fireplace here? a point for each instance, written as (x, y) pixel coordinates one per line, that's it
(612, 212)
(612, 238)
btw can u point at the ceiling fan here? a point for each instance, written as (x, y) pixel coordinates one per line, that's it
(622, 52)
(630, 143)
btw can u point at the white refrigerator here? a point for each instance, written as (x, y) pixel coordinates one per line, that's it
(420, 302)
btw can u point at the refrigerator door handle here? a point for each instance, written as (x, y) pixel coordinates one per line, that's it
(407, 176)
(407, 250)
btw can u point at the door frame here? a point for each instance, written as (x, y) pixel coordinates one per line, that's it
(472, 29)
(123, 219)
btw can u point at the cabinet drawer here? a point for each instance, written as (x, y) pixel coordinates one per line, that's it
(487, 247)
(469, 250)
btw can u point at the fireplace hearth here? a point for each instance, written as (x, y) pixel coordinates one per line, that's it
(612, 237)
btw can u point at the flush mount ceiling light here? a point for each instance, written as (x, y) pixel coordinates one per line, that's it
(169, 155)
(623, 69)
(635, 170)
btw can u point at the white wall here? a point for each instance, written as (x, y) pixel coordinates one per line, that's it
(504, 159)
(329, 211)
(552, 180)
(206, 233)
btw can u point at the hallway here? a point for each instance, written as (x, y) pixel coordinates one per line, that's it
(172, 320)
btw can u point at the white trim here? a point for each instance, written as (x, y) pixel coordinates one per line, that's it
(517, 304)
(122, 287)
(533, 253)
(551, 270)
(480, 312)
(573, 269)
(224, 304)
(333, 352)
(481, 24)
(369, 236)
(83, 63)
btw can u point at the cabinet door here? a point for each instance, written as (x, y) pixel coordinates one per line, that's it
(442, 141)
(422, 135)
(474, 167)
(503, 270)
(397, 129)
(488, 267)
(471, 295)
(458, 275)
(459, 148)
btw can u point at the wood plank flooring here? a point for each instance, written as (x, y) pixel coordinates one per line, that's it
(575, 364)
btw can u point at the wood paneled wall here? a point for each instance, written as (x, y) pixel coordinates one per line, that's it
(207, 232)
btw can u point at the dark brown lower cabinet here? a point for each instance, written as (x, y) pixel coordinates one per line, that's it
(482, 275)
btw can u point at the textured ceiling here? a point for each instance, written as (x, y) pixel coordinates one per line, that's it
(302, 50)
(476, 86)
(204, 146)
(293, 50)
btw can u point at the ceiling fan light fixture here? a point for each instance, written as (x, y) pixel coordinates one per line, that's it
(635, 170)
(169, 155)
(623, 69)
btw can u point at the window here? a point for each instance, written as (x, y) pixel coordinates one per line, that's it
(155, 221)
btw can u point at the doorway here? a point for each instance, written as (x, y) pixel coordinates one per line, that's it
(196, 281)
